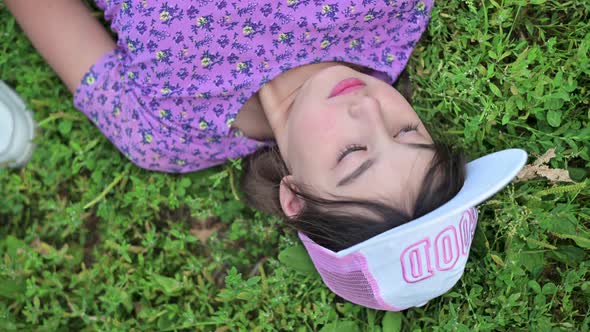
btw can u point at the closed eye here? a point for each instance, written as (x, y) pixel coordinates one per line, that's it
(408, 128)
(349, 149)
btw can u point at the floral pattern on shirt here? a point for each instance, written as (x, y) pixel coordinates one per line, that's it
(168, 94)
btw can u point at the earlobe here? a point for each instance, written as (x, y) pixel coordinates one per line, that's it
(290, 202)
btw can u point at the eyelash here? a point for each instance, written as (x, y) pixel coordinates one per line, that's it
(356, 147)
(410, 127)
(350, 148)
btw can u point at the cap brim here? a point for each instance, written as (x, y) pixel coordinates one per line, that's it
(485, 177)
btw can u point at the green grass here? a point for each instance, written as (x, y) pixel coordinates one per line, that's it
(90, 242)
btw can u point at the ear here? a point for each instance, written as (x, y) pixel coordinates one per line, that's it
(290, 202)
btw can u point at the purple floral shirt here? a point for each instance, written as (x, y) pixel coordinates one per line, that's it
(168, 94)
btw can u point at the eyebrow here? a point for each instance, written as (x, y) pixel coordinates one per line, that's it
(356, 173)
(368, 163)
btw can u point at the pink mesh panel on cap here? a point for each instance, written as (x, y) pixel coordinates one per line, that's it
(347, 276)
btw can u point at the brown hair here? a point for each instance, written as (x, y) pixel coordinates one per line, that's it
(323, 221)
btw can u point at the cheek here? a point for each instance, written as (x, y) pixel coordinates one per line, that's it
(319, 126)
(397, 111)
(313, 137)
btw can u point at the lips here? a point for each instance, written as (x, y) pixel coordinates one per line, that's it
(346, 86)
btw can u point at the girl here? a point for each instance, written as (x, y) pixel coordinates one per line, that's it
(300, 88)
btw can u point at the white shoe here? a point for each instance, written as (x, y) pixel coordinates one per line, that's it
(17, 129)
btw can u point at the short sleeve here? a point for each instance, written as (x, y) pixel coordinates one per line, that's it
(97, 91)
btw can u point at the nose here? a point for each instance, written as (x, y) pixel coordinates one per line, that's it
(365, 106)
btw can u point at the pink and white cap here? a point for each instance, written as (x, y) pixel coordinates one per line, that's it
(413, 263)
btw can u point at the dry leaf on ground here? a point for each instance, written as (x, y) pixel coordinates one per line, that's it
(203, 229)
(539, 169)
(42, 247)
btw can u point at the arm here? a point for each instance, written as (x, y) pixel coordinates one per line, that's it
(65, 34)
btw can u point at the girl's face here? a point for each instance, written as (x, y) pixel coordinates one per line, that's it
(356, 144)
